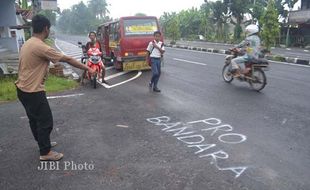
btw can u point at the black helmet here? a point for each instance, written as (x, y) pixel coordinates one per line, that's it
(92, 32)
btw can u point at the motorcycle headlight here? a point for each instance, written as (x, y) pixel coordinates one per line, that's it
(95, 59)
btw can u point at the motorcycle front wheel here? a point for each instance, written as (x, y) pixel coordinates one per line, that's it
(226, 74)
(259, 79)
(95, 81)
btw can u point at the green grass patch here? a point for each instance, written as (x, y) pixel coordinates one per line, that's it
(53, 84)
(49, 42)
(278, 58)
(7, 88)
(56, 84)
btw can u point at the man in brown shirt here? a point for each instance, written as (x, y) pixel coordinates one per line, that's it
(34, 59)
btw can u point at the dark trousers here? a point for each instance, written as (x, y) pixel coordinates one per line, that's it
(40, 117)
(156, 70)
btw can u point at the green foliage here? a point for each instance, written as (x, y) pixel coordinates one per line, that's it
(98, 8)
(81, 19)
(51, 15)
(8, 89)
(238, 9)
(27, 34)
(189, 22)
(49, 41)
(270, 25)
(206, 21)
(237, 32)
(24, 4)
(257, 9)
(278, 58)
(218, 8)
(170, 25)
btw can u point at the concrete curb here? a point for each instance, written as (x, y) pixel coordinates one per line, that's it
(278, 58)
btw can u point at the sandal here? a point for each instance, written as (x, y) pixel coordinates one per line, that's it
(52, 156)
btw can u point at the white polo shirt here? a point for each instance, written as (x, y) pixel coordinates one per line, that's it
(154, 51)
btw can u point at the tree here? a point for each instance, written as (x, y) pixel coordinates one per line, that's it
(218, 8)
(50, 15)
(99, 8)
(171, 26)
(206, 22)
(189, 22)
(238, 9)
(257, 9)
(77, 20)
(270, 25)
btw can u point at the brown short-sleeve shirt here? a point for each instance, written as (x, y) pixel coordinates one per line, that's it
(34, 59)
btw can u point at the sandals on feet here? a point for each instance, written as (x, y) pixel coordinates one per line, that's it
(52, 156)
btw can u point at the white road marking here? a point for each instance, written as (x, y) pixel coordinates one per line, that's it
(109, 68)
(306, 50)
(187, 61)
(284, 121)
(116, 75)
(74, 54)
(56, 44)
(122, 126)
(64, 96)
(114, 85)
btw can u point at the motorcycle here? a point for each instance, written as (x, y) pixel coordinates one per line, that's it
(253, 73)
(92, 58)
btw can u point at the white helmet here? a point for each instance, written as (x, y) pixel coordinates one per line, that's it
(251, 29)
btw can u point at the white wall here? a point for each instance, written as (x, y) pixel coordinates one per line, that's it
(7, 19)
(7, 13)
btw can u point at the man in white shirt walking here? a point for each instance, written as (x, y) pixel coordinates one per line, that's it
(155, 51)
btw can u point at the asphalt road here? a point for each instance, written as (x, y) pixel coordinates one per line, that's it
(199, 133)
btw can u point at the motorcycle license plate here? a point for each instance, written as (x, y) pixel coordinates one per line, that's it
(135, 65)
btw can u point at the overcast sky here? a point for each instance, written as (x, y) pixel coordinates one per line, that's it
(120, 8)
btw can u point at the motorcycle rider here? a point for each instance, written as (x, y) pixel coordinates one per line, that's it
(252, 45)
(94, 43)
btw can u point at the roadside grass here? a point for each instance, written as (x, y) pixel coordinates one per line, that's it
(50, 42)
(53, 84)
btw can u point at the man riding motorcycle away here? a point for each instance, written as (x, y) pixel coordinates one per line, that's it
(252, 45)
(94, 43)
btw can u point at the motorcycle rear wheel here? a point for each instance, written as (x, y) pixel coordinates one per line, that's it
(226, 74)
(259, 81)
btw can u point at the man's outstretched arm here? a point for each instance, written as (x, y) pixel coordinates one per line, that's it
(75, 63)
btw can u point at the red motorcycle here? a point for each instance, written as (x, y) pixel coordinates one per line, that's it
(92, 58)
(253, 74)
